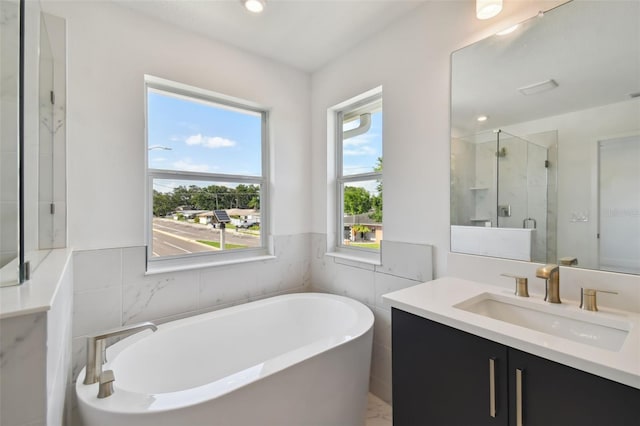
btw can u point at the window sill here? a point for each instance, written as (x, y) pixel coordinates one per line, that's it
(162, 269)
(372, 259)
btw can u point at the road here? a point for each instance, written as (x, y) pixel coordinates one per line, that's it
(172, 238)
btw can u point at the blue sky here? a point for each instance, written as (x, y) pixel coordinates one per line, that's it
(214, 139)
(360, 153)
(202, 137)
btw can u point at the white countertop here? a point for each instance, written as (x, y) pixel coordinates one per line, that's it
(37, 294)
(435, 300)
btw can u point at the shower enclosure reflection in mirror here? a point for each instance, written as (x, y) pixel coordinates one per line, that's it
(534, 180)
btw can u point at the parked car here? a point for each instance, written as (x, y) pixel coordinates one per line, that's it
(247, 225)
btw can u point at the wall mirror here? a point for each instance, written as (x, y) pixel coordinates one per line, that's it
(9, 139)
(545, 139)
(32, 117)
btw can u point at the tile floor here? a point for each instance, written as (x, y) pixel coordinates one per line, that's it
(378, 412)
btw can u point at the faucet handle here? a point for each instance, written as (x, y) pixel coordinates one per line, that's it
(522, 285)
(588, 300)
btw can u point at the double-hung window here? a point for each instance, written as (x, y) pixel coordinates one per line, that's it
(359, 175)
(206, 176)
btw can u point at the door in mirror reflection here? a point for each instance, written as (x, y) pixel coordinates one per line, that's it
(619, 191)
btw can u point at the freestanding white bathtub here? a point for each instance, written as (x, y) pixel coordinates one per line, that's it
(300, 359)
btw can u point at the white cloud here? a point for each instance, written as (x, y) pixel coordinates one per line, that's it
(188, 166)
(360, 145)
(364, 139)
(209, 142)
(362, 150)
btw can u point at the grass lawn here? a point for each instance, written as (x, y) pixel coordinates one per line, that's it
(216, 244)
(366, 245)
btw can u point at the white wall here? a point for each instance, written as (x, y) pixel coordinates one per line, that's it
(109, 50)
(410, 59)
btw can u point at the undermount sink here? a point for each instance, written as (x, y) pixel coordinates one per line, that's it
(568, 322)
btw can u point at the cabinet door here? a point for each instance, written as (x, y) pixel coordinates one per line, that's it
(441, 376)
(554, 394)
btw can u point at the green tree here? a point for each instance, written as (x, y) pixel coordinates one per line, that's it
(247, 196)
(376, 200)
(162, 203)
(357, 200)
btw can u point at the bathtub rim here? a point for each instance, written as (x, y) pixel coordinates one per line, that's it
(135, 403)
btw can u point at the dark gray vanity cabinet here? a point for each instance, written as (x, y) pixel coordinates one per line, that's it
(444, 376)
(554, 394)
(441, 376)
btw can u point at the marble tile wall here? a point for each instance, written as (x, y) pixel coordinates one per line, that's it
(403, 265)
(23, 363)
(35, 359)
(59, 326)
(463, 179)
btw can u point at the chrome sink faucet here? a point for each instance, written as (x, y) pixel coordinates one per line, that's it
(97, 345)
(551, 274)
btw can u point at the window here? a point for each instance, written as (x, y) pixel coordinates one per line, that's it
(359, 175)
(206, 156)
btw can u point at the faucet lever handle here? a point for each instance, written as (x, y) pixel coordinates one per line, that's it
(522, 285)
(588, 300)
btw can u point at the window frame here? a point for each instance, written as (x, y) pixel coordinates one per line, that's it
(206, 258)
(353, 107)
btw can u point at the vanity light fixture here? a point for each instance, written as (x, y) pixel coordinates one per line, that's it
(482, 118)
(486, 9)
(540, 87)
(255, 6)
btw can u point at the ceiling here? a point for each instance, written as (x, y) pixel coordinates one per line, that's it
(305, 34)
(591, 49)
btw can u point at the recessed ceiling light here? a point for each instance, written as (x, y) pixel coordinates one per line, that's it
(486, 9)
(482, 118)
(255, 6)
(543, 86)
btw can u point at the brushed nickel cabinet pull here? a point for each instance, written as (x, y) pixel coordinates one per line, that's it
(492, 387)
(519, 410)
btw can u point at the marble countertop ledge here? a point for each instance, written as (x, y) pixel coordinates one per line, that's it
(435, 300)
(37, 294)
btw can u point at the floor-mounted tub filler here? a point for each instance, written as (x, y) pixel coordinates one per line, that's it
(299, 359)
